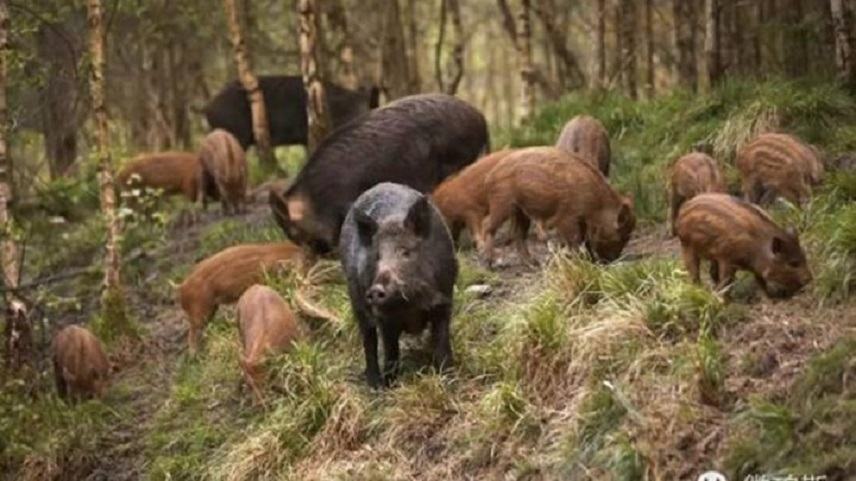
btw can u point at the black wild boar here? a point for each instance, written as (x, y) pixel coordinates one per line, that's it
(401, 268)
(416, 141)
(285, 102)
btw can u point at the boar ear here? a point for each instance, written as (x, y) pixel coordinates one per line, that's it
(418, 217)
(366, 227)
(625, 216)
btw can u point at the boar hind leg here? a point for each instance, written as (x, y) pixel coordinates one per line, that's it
(441, 356)
(521, 231)
(61, 385)
(692, 261)
(391, 353)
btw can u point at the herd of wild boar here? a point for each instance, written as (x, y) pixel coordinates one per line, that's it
(390, 191)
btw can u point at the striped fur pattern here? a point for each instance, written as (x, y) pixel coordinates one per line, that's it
(587, 138)
(223, 278)
(691, 175)
(549, 185)
(173, 172)
(462, 198)
(735, 235)
(774, 165)
(267, 326)
(225, 164)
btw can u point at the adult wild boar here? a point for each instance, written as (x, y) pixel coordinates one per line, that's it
(462, 198)
(81, 368)
(401, 268)
(775, 165)
(549, 185)
(734, 234)
(223, 277)
(173, 172)
(225, 166)
(691, 175)
(285, 103)
(416, 141)
(267, 326)
(587, 138)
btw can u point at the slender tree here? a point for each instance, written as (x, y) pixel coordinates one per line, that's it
(415, 79)
(112, 299)
(712, 42)
(599, 32)
(524, 53)
(649, 48)
(556, 36)
(684, 39)
(453, 9)
(250, 83)
(339, 21)
(843, 43)
(394, 66)
(316, 104)
(627, 33)
(18, 332)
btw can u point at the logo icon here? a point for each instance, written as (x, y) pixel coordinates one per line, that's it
(712, 476)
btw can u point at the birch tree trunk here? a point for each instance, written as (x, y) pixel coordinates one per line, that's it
(524, 53)
(261, 131)
(712, 42)
(113, 310)
(458, 49)
(318, 117)
(843, 43)
(413, 46)
(18, 332)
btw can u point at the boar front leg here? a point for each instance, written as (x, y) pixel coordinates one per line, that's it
(391, 353)
(442, 347)
(726, 275)
(369, 335)
(691, 261)
(521, 231)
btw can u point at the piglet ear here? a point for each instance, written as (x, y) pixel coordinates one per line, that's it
(777, 246)
(418, 217)
(366, 227)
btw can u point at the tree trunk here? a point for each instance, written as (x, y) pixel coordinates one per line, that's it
(546, 11)
(18, 332)
(843, 43)
(261, 132)
(413, 47)
(60, 104)
(318, 117)
(649, 49)
(524, 53)
(683, 14)
(796, 41)
(627, 29)
(599, 42)
(339, 21)
(450, 8)
(394, 65)
(112, 300)
(438, 47)
(712, 42)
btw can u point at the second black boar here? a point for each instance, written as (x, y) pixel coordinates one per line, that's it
(285, 103)
(399, 259)
(416, 141)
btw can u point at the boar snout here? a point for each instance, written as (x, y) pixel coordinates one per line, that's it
(382, 290)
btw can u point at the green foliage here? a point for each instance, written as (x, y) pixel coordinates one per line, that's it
(114, 322)
(812, 432)
(49, 434)
(710, 370)
(231, 232)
